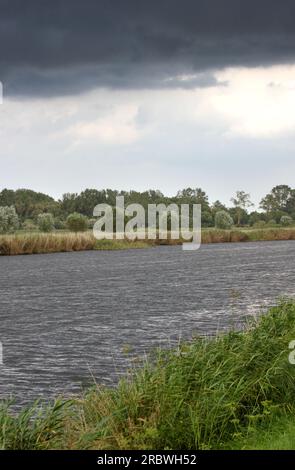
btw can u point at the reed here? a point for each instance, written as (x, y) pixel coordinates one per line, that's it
(25, 243)
(33, 243)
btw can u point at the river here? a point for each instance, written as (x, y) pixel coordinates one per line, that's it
(69, 319)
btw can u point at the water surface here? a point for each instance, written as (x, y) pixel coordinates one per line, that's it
(67, 317)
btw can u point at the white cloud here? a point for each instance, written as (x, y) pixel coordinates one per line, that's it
(118, 127)
(258, 102)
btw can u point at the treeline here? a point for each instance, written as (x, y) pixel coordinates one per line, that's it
(276, 208)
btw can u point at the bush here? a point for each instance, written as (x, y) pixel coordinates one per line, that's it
(29, 226)
(91, 223)
(59, 224)
(207, 220)
(223, 220)
(9, 221)
(286, 220)
(271, 223)
(77, 222)
(259, 224)
(45, 222)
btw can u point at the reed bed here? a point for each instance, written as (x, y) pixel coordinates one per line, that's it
(26, 244)
(33, 243)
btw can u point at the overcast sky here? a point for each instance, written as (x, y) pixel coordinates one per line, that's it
(136, 94)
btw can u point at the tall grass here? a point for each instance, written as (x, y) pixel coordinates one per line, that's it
(32, 243)
(209, 393)
(45, 243)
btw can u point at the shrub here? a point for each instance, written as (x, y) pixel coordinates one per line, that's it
(77, 222)
(59, 224)
(29, 226)
(223, 220)
(259, 224)
(91, 223)
(45, 222)
(9, 221)
(286, 220)
(271, 223)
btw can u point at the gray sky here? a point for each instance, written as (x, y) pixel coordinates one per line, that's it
(147, 94)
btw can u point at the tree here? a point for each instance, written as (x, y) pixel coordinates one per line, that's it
(286, 220)
(193, 196)
(28, 203)
(278, 199)
(241, 202)
(45, 222)
(217, 206)
(77, 222)
(256, 217)
(29, 226)
(9, 221)
(223, 220)
(68, 203)
(88, 199)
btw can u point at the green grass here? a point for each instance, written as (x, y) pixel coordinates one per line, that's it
(233, 391)
(277, 434)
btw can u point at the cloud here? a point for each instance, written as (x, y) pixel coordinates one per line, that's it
(68, 46)
(118, 127)
(258, 103)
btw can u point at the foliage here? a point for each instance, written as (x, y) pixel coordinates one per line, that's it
(77, 222)
(59, 224)
(29, 226)
(286, 220)
(29, 204)
(278, 199)
(45, 222)
(9, 221)
(271, 223)
(241, 202)
(259, 224)
(223, 220)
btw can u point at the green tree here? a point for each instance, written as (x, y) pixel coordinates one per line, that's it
(9, 221)
(278, 199)
(241, 201)
(45, 222)
(256, 217)
(77, 222)
(217, 206)
(223, 220)
(286, 220)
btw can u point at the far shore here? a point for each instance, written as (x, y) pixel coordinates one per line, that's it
(25, 243)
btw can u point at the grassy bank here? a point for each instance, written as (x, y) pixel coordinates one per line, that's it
(234, 391)
(32, 243)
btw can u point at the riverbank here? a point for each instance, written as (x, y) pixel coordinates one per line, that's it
(233, 391)
(24, 243)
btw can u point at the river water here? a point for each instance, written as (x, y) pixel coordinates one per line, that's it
(69, 319)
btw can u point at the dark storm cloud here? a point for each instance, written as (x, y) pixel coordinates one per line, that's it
(57, 47)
